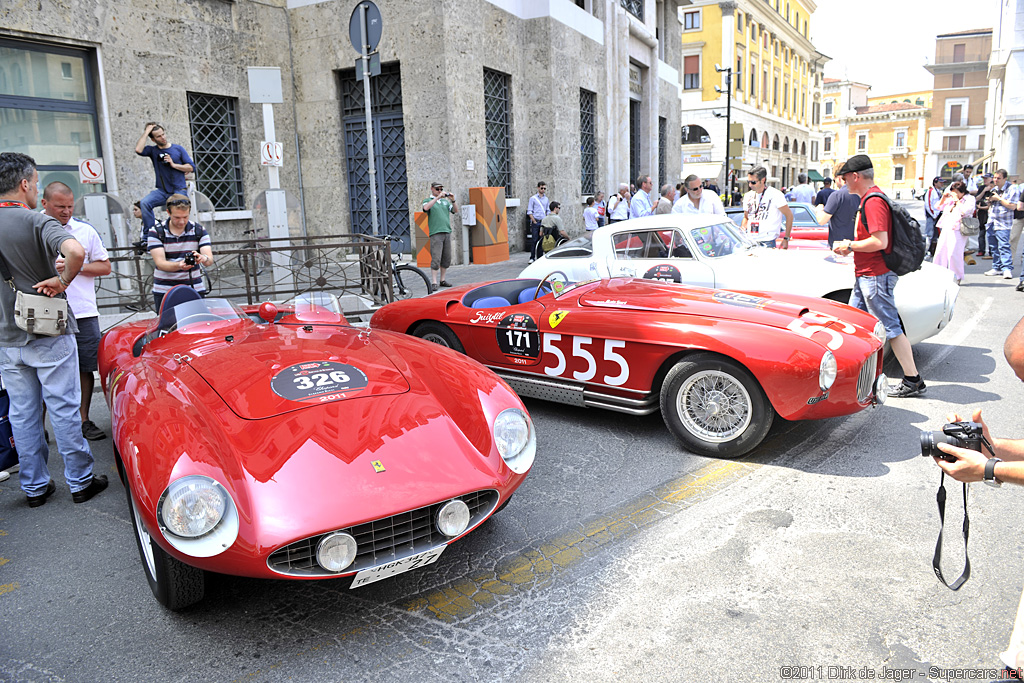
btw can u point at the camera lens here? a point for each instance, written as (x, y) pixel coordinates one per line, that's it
(930, 441)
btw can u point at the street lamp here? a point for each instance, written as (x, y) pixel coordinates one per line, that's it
(728, 122)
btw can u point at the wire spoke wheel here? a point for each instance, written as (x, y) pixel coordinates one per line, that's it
(714, 405)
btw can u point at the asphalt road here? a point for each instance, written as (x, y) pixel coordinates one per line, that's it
(622, 557)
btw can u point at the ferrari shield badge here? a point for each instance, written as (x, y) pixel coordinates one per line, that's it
(556, 317)
(378, 466)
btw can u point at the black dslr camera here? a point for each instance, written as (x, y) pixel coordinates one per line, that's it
(961, 434)
(190, 260)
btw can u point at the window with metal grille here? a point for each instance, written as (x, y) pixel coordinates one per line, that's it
(214, 125)
(588, 144)
(634, 7)
(634, 140)
(662, 146)
(498, 129)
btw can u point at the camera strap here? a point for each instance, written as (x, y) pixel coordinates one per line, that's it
(937, 559)
(940, 498)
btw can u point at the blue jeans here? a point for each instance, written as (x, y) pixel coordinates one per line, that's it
(770, 244)
(874, 294)
(929, 228)
(155, 198)
(46, 369)
(999, 247)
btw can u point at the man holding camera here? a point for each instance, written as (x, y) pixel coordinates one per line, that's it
(439, 207)
(170, 163)
(1006, 466)
(1000, 219)
(178, 246)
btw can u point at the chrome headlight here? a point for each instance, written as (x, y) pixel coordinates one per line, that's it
(197, 516)
(192, 506)
(827, 371)
(515, 439)
(879, 332)
(335, 552)
(453, 518)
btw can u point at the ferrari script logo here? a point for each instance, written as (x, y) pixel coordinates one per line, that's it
(378, 466)
(557, 317)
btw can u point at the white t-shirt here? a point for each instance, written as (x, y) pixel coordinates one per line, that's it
(81, 291)
(709, 203)
(621, 210)
(764, 217)
(590, 218)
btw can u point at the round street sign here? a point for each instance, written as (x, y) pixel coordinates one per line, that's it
(373, 27)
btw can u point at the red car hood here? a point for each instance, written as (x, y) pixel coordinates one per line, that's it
(285, 368)
(648, 295)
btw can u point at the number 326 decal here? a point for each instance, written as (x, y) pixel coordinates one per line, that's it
(613, 366)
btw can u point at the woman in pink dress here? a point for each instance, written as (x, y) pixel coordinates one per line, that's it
(955, 204)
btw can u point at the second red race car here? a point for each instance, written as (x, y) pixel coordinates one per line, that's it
(720, 365)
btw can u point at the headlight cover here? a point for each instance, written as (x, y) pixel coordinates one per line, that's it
(335, 552)
(879, 332)
(515, 439)
(827, 371)
(197, 516)
(453, 518)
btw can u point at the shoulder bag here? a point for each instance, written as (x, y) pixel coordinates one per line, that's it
(36, 313)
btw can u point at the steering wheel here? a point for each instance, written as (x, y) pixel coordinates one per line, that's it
(546, 278)
(197, 318)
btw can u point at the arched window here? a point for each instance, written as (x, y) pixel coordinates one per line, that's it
(764, 141)
(753, 137)
(694, 134)
(775, 142)
(785, 144)
(803, 149)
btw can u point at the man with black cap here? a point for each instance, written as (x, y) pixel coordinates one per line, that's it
(873, 289)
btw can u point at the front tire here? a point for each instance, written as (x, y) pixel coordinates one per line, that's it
(715, 406)
(175, 585)
(440, 334)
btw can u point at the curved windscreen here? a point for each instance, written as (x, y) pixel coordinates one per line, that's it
(721, 239)
(189, 314)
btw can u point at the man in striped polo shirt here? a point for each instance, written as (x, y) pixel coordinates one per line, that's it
(173, 244)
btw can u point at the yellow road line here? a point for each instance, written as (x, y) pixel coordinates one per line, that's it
(537, 566)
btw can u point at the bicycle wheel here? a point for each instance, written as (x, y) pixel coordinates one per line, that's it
(245, 260)
(410, 282)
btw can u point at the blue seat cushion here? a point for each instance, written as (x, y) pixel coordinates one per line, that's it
(177, 295)
(527, 294)
(490, 302)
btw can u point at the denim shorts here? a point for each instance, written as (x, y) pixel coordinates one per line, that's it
(88, 339)
(873, 293)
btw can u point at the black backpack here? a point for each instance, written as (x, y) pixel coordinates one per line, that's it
(905, 238)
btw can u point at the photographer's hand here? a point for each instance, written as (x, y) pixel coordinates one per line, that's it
(975, 416)
(969, 465)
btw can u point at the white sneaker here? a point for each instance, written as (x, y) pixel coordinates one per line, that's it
(4, 475)
(1007, 274)
(993, 272)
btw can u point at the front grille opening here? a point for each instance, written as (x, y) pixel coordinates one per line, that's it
(382, 540)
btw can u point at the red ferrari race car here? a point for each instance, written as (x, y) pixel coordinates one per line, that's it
(719, 364)
(284, 443)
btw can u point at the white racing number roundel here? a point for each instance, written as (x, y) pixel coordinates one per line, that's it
(318, 381)
(664, 272)
(517, 336)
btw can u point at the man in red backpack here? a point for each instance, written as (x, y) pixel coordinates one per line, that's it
(873, 290)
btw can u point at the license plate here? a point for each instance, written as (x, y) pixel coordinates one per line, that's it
(397, 567)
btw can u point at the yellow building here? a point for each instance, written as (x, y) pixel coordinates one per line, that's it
(891, 129)
(775, 86)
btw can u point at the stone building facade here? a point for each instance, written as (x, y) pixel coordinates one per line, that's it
(892, 130)
(483, 92)
(776, 87)
(956, 132)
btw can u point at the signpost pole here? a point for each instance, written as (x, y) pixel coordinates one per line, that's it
(370, 153)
